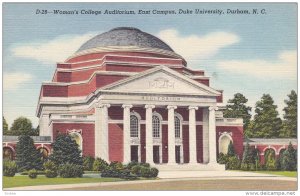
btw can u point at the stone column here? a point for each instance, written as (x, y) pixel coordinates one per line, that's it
(192, 135)
(171, 135)
(126, 133)
(101, 131)
(149, 136)
(212, 135)
(205, 136)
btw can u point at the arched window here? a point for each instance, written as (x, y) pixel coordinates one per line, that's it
(177, 127)
(134, 126)
(155, 126)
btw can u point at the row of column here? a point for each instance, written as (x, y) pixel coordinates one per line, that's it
(209, 134)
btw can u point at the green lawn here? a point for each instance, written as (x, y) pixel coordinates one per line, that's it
(281, 173)
(18, 181)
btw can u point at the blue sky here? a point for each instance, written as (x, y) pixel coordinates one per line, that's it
(250, 54)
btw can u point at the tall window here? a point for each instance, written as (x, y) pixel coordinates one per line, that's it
(134, 129)
(177, 127)
(155, 126)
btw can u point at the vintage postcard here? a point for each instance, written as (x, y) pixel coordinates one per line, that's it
(150, 97)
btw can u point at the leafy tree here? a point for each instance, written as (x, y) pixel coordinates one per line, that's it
(22, 126)
(290, 117)
(66, 150)
(27, 156)
(5, 126)
(236, 108)
(266, 123)
(230, 151)
(289, 159)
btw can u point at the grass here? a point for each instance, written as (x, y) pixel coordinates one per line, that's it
(281, 173)
(18, 181)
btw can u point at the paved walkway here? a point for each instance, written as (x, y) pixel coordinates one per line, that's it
(167, 176)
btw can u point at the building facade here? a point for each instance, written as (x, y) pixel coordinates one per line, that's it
(126, 95)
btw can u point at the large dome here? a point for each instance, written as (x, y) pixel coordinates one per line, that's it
(125, 36)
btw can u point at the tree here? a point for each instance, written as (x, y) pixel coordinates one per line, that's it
(66, 150)
(236, 108)
(27, 156)
(230, 151)
(270, 161)
(22, 126)
(289, 159)
(266, 123)
(248, 161)
(5, 126)
(290, 116)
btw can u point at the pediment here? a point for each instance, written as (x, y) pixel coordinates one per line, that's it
(162, 80)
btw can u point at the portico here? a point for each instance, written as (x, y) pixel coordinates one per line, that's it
(162, 116)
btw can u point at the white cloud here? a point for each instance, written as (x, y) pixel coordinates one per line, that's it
(55, 50)
(285, 66)
(200, 47)
(14, 80)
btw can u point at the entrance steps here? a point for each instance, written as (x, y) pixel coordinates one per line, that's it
(190, 167)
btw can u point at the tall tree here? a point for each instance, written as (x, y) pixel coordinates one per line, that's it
(266, 123)
(289, 159)
(22, 126)
(231, 151)
(237, 108)
(290, 116)
(27, 156)
(5, 126)
(65, 150)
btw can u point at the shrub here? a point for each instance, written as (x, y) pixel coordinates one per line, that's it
(110, 172)
(70, 170)
(146, 172)
(115, 173)
(25, 173)
(154, 172)
(99, 164)
(50, 165)
(50, 169)
(233, 163)
(145, 165)
(9, 168)
(32, 173)
(132, 164)
(223, 158)
(50, 173)
(88, 163)
(116, 165)
(136, 170)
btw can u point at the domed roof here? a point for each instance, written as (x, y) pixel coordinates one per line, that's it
(125, 36)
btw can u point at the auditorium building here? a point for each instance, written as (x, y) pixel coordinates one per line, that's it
(126, 95)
